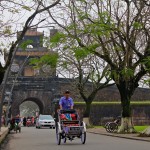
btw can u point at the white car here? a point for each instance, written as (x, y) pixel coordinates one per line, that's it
(45, 121)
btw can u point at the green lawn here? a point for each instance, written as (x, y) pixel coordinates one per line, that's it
(137, 128)
(140, 128)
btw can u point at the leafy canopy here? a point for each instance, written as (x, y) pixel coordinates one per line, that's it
(48, 59)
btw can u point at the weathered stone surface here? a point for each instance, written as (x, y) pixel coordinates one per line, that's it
(43, 90)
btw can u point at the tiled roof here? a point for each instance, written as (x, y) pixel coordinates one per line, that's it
(31, 33)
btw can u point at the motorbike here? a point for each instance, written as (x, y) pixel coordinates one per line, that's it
(29, 123)
(16, 126)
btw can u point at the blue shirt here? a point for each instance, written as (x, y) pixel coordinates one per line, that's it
(66, 103)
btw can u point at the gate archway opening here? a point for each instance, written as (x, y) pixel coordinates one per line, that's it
(31, 107)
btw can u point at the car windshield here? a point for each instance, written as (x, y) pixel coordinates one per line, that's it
(46, 117)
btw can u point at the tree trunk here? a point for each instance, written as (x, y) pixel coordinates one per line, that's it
(126, 121)
(87, 114)
(126, 125)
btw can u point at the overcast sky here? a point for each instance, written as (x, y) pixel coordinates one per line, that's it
(17, 21)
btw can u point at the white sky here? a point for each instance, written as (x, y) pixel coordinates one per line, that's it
(17, 21)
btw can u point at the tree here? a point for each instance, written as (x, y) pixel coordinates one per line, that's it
(90, 73)
(37, 8)
(29, 109)
(6, 32)
(118, 32)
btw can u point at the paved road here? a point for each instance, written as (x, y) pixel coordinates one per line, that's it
(44, 139)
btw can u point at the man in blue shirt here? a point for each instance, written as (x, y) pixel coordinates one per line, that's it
(66, 102)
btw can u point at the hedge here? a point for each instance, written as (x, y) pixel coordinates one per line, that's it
(115, 103)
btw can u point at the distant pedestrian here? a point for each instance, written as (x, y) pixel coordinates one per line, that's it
(24, 121)
(32, 121)
(3, 121)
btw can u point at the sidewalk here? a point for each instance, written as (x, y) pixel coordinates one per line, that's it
(3, 133)
(102, 131)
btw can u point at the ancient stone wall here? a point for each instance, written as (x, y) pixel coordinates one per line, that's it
(100, 114)
(43, 91)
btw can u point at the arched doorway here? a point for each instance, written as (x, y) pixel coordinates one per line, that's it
(31, 107)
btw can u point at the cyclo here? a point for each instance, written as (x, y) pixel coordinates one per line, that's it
(69, 126)
(15, 125)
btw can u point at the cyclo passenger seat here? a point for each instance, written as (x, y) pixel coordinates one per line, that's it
(69, 116)
(68, 111)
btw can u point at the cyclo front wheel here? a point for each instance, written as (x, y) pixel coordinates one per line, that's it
(83, 137)
(58, 136)
(64, 139)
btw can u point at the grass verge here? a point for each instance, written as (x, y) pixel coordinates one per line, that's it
(140, 128)
(137, 128)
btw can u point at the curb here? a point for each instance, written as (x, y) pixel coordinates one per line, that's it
(3, 136)
(130, 138)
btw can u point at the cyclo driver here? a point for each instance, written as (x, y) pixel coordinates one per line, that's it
(66, 102)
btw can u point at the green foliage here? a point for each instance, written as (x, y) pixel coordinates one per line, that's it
(137, 25)
(13, 10)
(146, 61)
(24, 44)
(147, 81)
(93, 47)
(64, 64)
(35, 62)
(101, 26)
(28, 108)
(80, 53)
(48, 59)
(45, 41)
(7, 30)
(115, 75)
(117, 48)
(26, 8)
(82, 15)
(57, 38)
(72, 26)
(96, 29)
(127, 73)
(105, 18)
